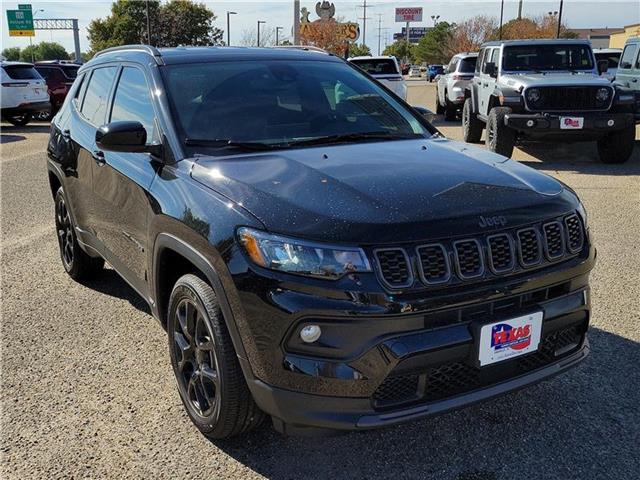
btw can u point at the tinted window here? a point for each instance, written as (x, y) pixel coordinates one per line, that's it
(384, 66)
(281, 103)
(626, 61)
(70, 71)
(467, 65)
(547, 57)
(44, 72)
(94, 106)
(612, 58)
(133, 101)
(22, 72)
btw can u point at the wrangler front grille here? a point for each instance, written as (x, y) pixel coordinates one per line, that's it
(569, 99)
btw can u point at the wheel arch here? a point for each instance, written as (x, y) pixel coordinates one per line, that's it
(184, 259)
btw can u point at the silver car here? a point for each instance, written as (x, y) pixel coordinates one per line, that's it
(452, 84)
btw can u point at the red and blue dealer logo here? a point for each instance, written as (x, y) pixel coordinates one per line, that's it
(505, 336)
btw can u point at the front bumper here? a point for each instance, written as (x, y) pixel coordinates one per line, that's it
(23, 108)
(385, 359)
(595, 124)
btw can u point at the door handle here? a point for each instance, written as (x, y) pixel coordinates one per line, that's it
(98, 157)
(634, 80)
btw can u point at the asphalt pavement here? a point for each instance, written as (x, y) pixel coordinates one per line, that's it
(88, 391)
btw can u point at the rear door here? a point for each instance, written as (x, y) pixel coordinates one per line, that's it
(121, 181)
(629, 67)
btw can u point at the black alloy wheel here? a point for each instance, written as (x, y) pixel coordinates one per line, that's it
(210, 380)
(76, 262)
(196, 359)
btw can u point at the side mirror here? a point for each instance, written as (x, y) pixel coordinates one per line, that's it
(603, 66)
(425, 112)
(490, 69)
(122, 137)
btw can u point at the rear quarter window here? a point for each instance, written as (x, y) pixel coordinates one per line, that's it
(94, 105)
(22, 72)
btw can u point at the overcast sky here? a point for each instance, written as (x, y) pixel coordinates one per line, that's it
(577, 14)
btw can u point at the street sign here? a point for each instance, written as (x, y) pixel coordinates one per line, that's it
(20, 23)
(409, 14)
(24, 6)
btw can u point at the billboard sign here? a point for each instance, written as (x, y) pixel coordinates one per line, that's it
(408, 14)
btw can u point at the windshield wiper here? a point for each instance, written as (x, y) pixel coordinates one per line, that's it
(354, 137)
(222, 143)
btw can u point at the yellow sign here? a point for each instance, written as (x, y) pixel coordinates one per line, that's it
(22, 33)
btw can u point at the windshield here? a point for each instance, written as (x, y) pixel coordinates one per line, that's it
(281, 103)
(383, 66)
(547, 57)
(613, 58)
(468, 65)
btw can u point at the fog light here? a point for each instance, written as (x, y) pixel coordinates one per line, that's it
(530, 123)
(310, 333)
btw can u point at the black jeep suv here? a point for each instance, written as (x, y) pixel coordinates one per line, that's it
(316, 250)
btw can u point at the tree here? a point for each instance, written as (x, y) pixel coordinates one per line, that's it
(177, 22)
(11, 53)
(401, 49)
(43, 51)
(434, 47)
(470, 34)
(186, 23)
(534, 27)
(359, 50)
(250, 37)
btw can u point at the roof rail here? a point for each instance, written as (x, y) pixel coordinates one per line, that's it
(308, 48)
(153, 51)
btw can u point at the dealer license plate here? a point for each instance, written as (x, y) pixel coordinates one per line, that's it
(571, 123)
(509, 338)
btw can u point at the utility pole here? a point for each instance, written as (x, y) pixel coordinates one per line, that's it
(277, 31)
(364, 21)
(259, 22)
(559, 20)
(520, 10)
(148, 24)
(501, 17)
(229, 27)
(379, 31)
(296, 22)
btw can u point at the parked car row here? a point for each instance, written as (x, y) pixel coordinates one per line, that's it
(34, 90)
(545, 90)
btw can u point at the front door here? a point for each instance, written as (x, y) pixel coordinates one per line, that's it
(121, 181)
(628, 73)
(487, 82)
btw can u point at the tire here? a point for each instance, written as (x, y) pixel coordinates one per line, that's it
(471, 126)
(210, 380)
(439, 108)
(18, 120)
(75, 261)
(450, 111)
(499, 138)
(617, 147)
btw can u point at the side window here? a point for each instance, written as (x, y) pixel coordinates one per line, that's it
(494, 56)
(488, 55)
(452, 65)
(638, 60)
(626, 61)
(480, 60)
(44, 72)
(133, 102)
(94, 105)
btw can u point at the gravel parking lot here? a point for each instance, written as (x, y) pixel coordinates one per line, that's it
(88, 392)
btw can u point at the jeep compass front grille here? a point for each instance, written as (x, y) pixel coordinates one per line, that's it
(469, 259)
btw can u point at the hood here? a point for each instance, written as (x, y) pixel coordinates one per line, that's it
(550, 79)
(383, 192)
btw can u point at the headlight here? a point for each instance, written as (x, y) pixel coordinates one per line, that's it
(301, 257)
(602, 95)
(533, 95)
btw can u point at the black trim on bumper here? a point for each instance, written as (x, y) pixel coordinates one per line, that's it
(598, 123)
(27, 108)
(300, 413)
